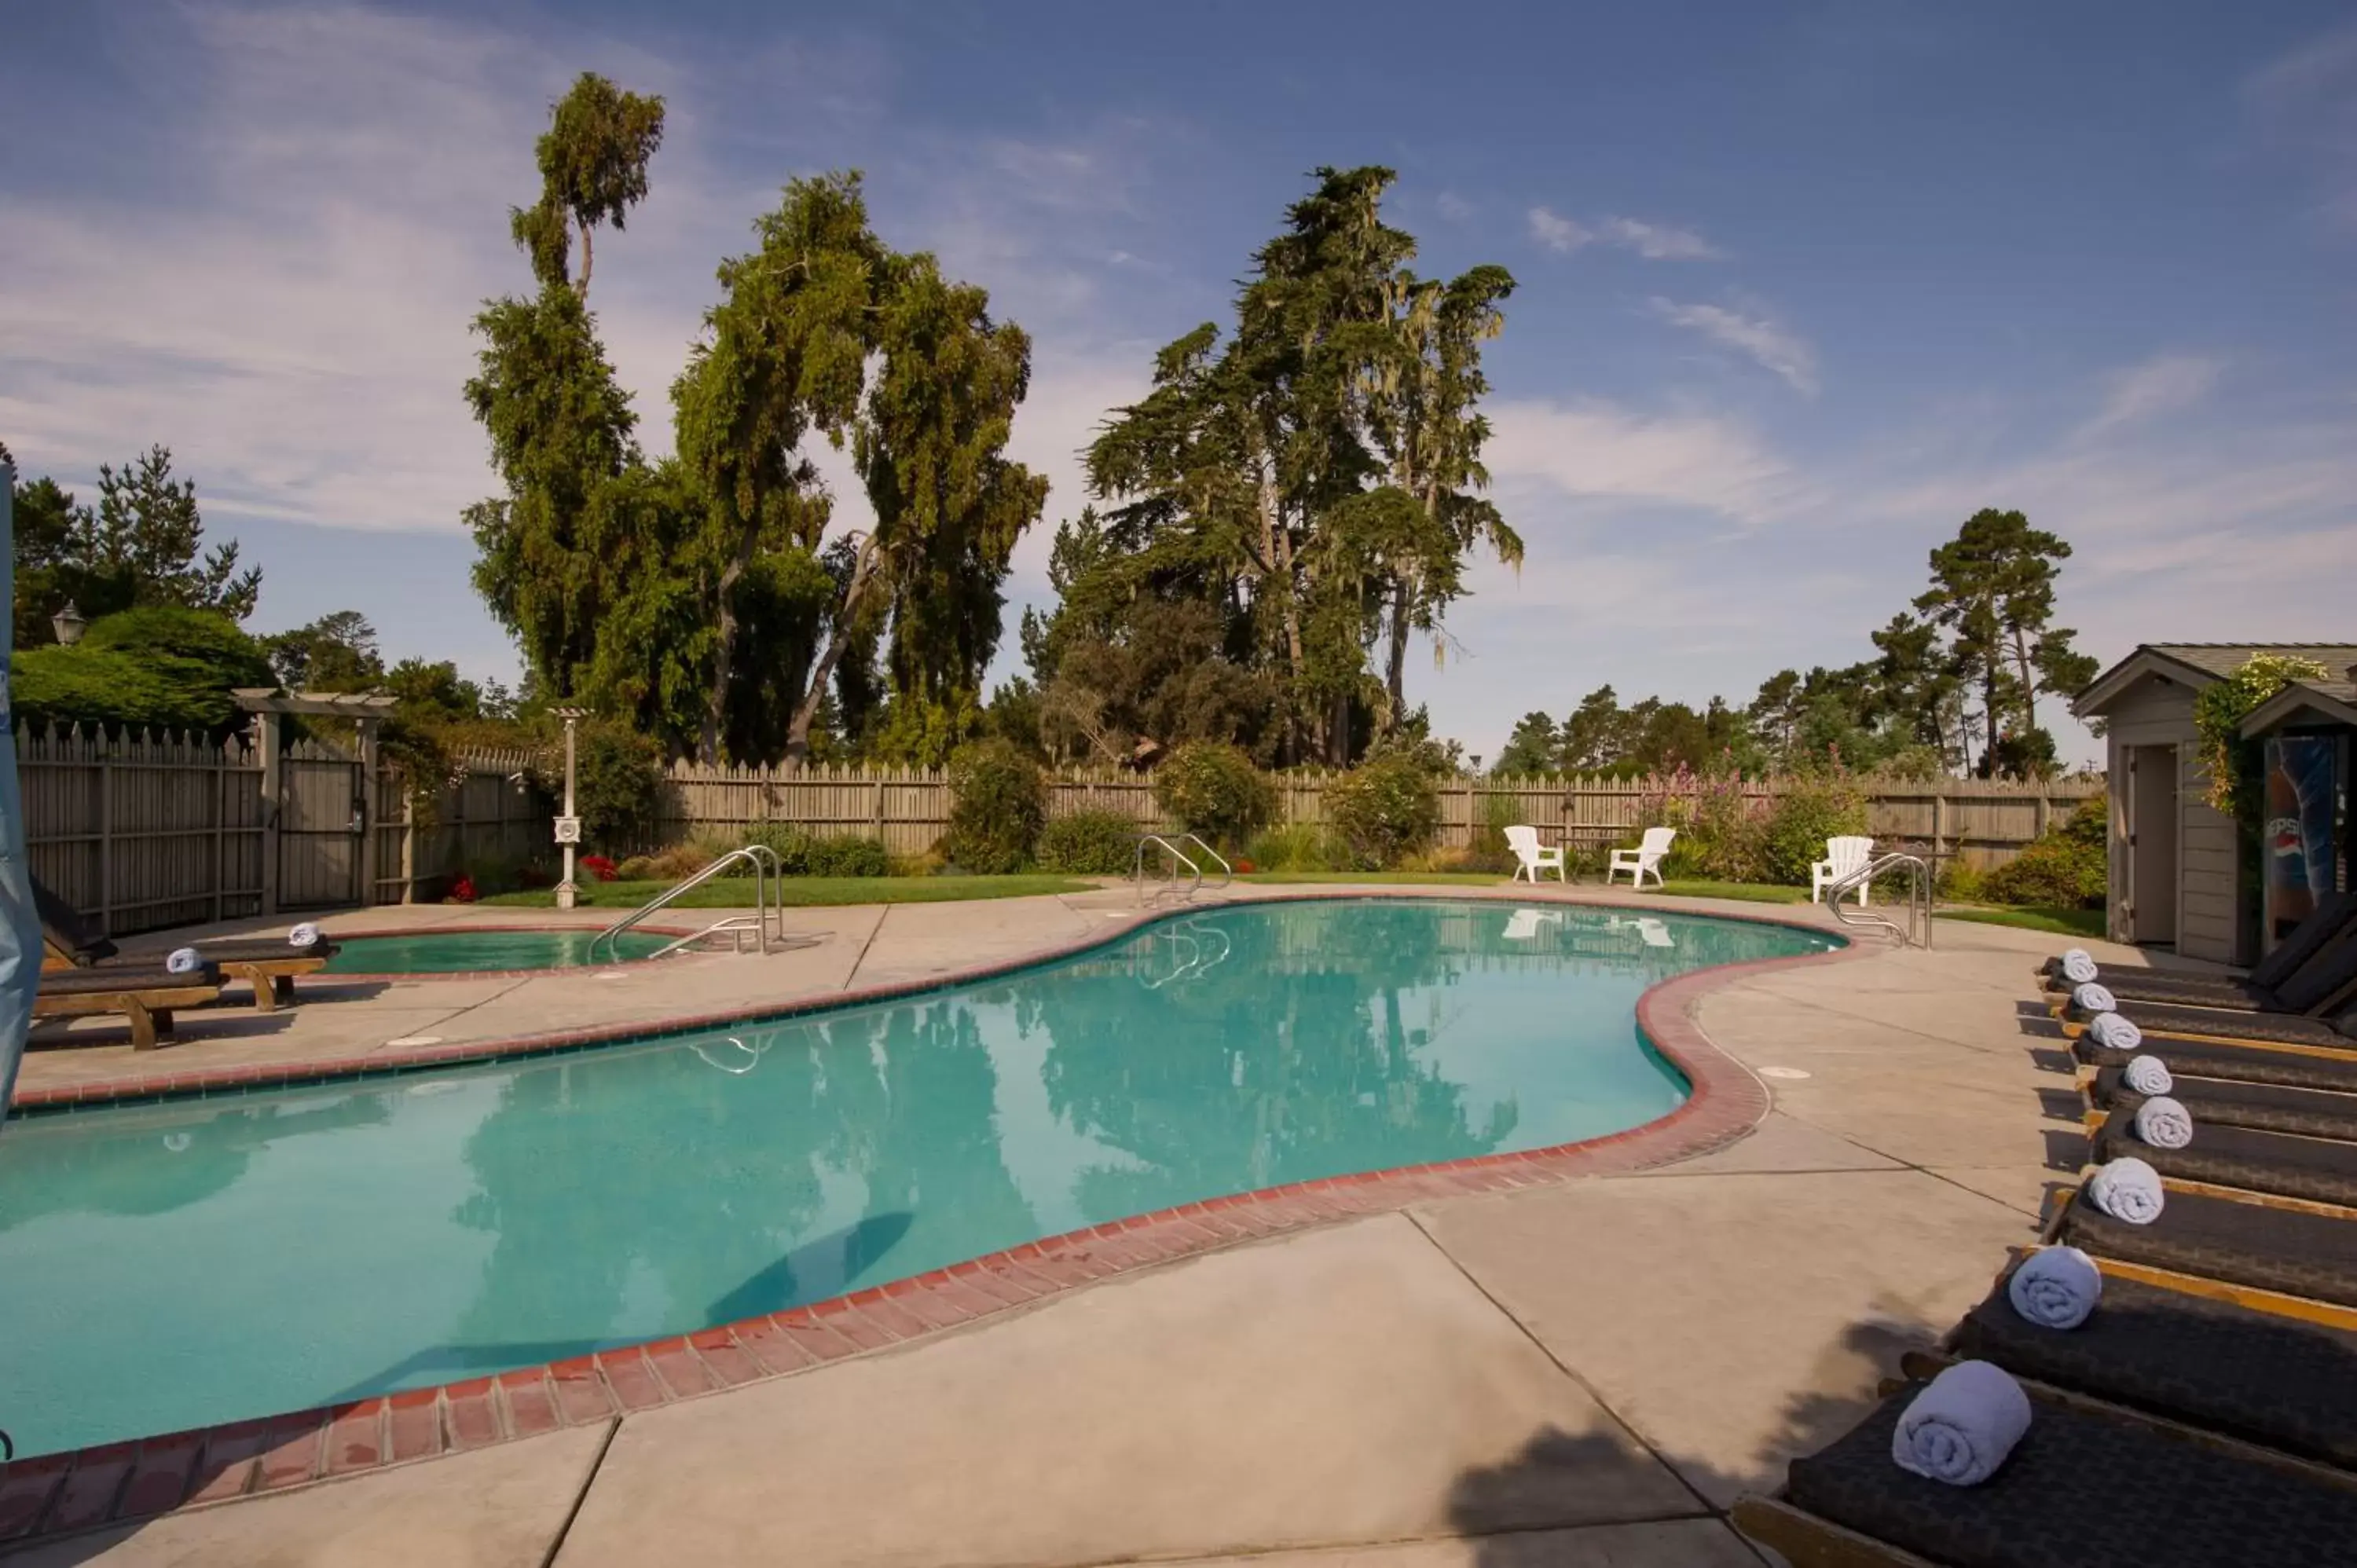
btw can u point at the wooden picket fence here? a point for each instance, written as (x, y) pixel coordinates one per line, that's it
(144, 831)
(1984, 822)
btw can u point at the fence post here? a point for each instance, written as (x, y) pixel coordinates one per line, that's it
(106, 835)
(271, 780)
(1939, 824)
(408, 844)
(2045, 810)
(221, 823)
(876, 809)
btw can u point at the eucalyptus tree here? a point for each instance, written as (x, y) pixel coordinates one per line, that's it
(561, 427)
(822, 330)
(593, 168)
(1992, 590)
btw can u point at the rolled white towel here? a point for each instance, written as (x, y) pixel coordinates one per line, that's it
(2127, 1188)
(306, 935)
(183, 961)
(1961, 1427)
(2115, 1033)
(2055, 1287)
(2148, 1075)
(2164, 1122)
(2078, 966)
(2093, 998)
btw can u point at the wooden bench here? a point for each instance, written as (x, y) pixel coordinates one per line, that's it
(146, 1000)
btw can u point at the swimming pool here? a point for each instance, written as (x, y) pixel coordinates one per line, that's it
(178, 1264)
(485, 948)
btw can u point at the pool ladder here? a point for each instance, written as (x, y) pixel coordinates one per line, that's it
(1919, 899)
(768, 869)
(1179, 858)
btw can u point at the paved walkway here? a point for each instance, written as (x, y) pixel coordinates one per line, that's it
(1582, 1373)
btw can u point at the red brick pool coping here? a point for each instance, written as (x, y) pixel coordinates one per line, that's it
(119, 1483)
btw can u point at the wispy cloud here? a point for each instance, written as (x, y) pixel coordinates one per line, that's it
(1757, 336)
(1591, 449)
(1453, 207)
(2159, 386)
(1557, 233)
(1659, 241)
(2307, 100)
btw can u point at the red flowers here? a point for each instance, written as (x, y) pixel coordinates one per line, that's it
(460, 891)
(599, 866)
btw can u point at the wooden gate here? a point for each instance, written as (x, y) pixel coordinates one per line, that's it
(322, 816)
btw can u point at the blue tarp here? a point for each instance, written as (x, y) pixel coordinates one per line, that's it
(20, 924)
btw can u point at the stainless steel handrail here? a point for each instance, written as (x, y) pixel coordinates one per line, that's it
(1227, 872)
(1179, 858)
(1919, 897)
(765, 863)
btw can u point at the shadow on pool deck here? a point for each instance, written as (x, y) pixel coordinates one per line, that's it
(1505, 1509)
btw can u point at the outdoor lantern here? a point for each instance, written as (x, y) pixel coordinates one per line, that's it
(69, 623)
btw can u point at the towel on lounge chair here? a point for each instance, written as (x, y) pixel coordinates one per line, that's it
(1961, 1426)
(306, 935)
(2094, 998)
(2115, 1033)
(2126, 1189)
(2164, 1124)
(2079, 966)
(2055, 1287)
(183, 961)
(2148, 1074)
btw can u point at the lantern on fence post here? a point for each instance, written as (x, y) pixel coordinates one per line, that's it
(568, 826)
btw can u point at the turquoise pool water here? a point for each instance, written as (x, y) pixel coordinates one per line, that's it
(459, 952)
(173, 1266)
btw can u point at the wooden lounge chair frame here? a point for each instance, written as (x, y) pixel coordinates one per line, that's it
(272, 979)
(148, 1007)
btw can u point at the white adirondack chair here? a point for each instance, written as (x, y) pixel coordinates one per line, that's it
(1654, 933)
(1844, 855)
(1523, 840)
(1643, 861)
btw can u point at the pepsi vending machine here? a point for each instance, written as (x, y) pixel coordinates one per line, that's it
(2305, 838)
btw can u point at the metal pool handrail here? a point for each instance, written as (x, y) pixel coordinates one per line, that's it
(1227, 872)
(1179, 858)
(765, 863)
(1919, 897)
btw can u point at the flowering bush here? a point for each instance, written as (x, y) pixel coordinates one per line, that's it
(1722, 828)
(1212, 789)
(460, 891)
(599, 866)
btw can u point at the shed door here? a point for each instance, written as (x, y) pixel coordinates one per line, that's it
(2152, 844)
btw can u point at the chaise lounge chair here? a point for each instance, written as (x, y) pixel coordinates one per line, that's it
(147, 998)
(2302, 1261)
(2336, 1031)
(2321, 1170)
(2324, 981)
(268, 964)
(2223, 1103)
(2293, 1066)
(2255, 991)
(2089, 1485)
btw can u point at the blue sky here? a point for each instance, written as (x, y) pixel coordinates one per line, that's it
(1801, 286)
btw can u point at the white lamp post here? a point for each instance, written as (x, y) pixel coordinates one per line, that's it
(568, 826)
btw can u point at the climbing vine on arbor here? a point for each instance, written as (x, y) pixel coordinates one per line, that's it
(2218, 716)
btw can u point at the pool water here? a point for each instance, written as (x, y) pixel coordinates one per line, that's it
(176, 1264)
(461, 952)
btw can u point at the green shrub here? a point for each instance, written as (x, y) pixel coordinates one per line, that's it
(1384, 809)
(1490, 851)
(2067, 869)
(160, 667)
(999, 804)
(1090, 843)
(1808, 812)
(789, 842)
(617, 785)
(849, 857)
(636, 869)
(1300, 847)
(1212, 788)
(1721, 829)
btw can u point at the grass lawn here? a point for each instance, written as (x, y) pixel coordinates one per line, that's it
(1749, 892)
(1419, 878)
(2062, 922)
(736, 892)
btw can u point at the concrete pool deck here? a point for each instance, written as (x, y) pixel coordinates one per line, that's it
(1581, 1370)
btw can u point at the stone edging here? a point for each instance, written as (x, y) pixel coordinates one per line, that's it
(120, 1482)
